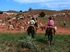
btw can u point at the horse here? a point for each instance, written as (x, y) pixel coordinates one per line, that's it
(50, 31)
(31, 31)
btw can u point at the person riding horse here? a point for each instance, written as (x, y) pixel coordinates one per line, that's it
(34, 23)
(50, 30)
(31, 29)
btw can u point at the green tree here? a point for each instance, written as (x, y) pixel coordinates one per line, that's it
(1, 12)
(30, 9)
(20, 11)
(42, 14)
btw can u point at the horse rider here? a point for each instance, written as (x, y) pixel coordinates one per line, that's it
(50, 29)
(32, 21)
(31, 28)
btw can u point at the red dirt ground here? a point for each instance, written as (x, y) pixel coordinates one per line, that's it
(60, 30)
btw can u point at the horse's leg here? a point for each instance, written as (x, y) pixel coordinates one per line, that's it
(48, 37)
(54, 32)
(29, 33)
(32, 34)
(51, 37)
(46, 32)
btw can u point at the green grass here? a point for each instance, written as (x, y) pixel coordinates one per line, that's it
(12, 42)
(43, 19)
(57, 20)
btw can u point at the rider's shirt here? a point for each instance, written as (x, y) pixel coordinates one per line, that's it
(50, 23)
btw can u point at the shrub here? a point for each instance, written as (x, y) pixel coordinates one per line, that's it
(1, 12)
(42, 14)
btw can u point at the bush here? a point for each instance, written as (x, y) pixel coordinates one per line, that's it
(28, 43)
(1, 12)
(42, 14)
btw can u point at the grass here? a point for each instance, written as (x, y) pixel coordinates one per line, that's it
(43, 19)
(12, 42)
(58, 20)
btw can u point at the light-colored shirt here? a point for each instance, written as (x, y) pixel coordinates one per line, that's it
(32, 22)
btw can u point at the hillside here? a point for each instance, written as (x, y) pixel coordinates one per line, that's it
(48, 12)
(60, 17)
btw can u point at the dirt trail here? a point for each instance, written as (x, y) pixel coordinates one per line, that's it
(60, 30)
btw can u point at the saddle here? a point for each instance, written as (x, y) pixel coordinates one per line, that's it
(50, 29)
(34, 27)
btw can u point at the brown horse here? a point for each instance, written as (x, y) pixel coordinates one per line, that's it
(50, 31)
(31, 31)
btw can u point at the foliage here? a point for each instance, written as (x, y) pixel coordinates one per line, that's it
(28, 43)
(30, 9)
(13, 42)
(42, 14)
(43, 19)
(20, 11)
(1, 12)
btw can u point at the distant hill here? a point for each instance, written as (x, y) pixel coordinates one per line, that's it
(48, 12)
(37, 11)
(12, 11)
(65, 11)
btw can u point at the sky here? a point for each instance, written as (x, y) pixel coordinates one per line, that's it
(24, 5)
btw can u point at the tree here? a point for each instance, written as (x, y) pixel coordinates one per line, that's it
(42, 14)
(30, 9)
(20, 11)
(1, 12)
